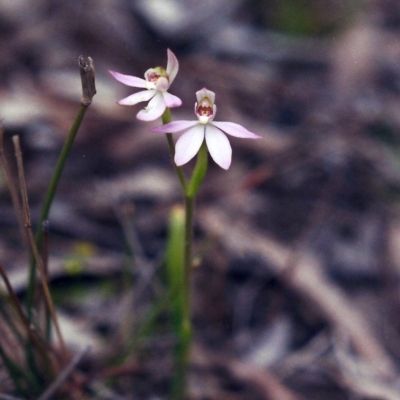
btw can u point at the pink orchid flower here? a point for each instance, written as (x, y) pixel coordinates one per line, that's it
(157, 81)
(194, 133)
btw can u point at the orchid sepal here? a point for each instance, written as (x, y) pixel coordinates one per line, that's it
(128, 80)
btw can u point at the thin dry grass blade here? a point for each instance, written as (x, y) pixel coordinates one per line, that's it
(28, 225)
(63, 376)
(11, 187)
(39, 345)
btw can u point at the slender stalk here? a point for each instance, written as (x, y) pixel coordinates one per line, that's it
(37, 343)
(88, 91)
(183, 310)
(45, 258)
(11, 187)
(17, 374)
(64, 375)
(166, 118)
(16, 304)
(189, 211)
(179, 384)
(51, 191)
(179, 388)
(7, 318)
(34, 248)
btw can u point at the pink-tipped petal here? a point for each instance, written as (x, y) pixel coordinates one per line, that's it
(138, 97)
(235, 130)
(175, 126)
(189, 144)
(171, 101)
(129, 80)
(218, 146)
(172, 66)
(154, 109)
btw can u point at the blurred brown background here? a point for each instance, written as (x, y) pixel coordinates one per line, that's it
(297, 289)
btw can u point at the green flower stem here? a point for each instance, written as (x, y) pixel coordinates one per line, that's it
(189, 211)
(179, 386)
(166, 118)
(87, 74)
(180, 269)
(177, 292)
(51, 191)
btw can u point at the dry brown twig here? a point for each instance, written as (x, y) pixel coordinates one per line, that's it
(308, 280)
(28, 225)
(63, 376)
(11, 187)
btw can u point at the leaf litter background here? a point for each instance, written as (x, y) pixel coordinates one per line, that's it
(296, 284)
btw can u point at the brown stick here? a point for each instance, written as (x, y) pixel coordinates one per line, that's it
(68, 370)
(11, 187)
(28, 226)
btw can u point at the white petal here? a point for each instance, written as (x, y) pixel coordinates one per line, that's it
(154, 109)
(235, 130)
(218, 146)
(171, 101)
(129, 80)
(162, 83)
(138, 97)
(172, 66)
(189, 144)
(175, 126)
